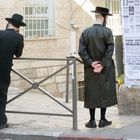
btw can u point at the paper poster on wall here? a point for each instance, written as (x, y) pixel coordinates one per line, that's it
(131, 40)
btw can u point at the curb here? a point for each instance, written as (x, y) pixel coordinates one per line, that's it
(87, 138)
(5, 136)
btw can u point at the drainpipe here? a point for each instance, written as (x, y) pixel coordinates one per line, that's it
(73, 29)
(73, 39)
(72, 50)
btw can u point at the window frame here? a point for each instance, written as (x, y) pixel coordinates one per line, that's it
(32, 33)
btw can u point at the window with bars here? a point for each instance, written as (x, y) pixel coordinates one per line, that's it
(113, 5)
(39, 17)
(114, 22)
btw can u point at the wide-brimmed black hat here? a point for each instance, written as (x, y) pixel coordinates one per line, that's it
(16, 20)
(102, 10)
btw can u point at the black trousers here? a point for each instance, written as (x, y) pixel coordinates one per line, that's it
(3, 100)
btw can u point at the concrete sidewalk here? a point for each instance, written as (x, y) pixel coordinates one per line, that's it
(37, 127)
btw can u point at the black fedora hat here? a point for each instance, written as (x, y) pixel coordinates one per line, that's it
(16, 20)
(102, 10)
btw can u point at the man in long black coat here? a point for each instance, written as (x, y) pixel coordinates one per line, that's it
(11, 43)
(96, 49)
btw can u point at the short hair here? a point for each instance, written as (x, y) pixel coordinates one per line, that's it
(98, 15)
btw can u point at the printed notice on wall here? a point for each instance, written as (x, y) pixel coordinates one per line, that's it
(131, 39)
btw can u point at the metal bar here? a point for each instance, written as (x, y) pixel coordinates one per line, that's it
(37, 113)
(36, 86)
(67, 83)
(73, 57)
(79, 60)
(22, 76)
(20, 94)
(48, 59)
(74, 91)
(49, 95)
(55, 73)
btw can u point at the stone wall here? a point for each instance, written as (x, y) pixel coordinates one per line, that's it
(39, 70)
(129, 100)
(66, 12)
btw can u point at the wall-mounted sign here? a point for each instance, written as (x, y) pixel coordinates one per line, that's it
(131, 40)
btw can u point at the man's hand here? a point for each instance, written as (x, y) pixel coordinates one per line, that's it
(95, 63)
(98, 68)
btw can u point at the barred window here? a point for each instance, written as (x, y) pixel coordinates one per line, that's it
(39, 17)
(114, 22)
(113, 5)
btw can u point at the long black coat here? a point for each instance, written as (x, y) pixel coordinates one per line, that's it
(11, 43)
(96, 44)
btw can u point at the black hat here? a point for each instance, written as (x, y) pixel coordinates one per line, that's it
(102, 10)
(16, 20)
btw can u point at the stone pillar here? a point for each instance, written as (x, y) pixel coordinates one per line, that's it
(129, 100)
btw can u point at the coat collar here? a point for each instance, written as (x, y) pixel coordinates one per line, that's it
(97, 25)
(10, 29)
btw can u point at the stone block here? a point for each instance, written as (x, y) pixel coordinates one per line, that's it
(60, 78)
(129, 100)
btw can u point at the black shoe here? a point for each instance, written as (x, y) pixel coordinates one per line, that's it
(103, 123)
(91, 124)
(2, 126)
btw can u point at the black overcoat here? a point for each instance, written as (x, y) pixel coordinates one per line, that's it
(96, 44)
(11, 43)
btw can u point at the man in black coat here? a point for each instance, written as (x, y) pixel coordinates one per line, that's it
(96, 47)
(11, 43)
